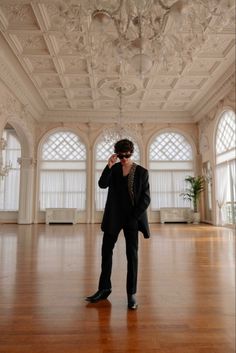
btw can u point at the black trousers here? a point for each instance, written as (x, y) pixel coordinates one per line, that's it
(131, 240)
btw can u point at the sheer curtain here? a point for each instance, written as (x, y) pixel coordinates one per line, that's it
(221, 189)
(160, 183)
(100, 194)
(10, 185)
(232, 166)
(225, 168)
(75, 196)
(63, 172)
(62, 189)
(166, 188)
(170, 162)
(51, 189)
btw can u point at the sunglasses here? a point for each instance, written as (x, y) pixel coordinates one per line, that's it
(124, 155)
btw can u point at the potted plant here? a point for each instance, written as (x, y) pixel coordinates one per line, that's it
(192, 193)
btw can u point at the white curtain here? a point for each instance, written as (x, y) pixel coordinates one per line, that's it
(75, 189)
(160, 184)
(62, 188)
(232, 167)
(166, 187)
(100, 194)
(232, 173)
(11, 191)
(10, 184)
(222, 179)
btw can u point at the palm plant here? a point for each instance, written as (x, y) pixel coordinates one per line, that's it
(193, 191)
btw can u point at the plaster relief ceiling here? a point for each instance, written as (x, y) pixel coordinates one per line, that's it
(164, 55)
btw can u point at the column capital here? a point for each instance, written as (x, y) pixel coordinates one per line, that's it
(26, 162)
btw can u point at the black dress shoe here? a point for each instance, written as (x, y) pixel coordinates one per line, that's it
(132, 304)
(101, 294)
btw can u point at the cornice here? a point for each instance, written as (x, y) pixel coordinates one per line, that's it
(111, 117)
(12, 74)
(222, 87)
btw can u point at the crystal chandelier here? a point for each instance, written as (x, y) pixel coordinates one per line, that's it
(142, 33)
(4, 168)
(120, 129)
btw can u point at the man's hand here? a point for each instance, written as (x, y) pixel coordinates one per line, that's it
(112, 160)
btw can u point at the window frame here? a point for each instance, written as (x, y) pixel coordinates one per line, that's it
(69, 165)
(188, 165)
(224, 158)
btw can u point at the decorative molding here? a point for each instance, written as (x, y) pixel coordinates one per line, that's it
(43, 63)
(205, 122)
(10, 74)
(216, 95)
(204, 143)
(108, 116)
(26, 162)
(18, 115)
(18, 90)
(230, 99)
(211, 115)
(110, 87)
(10, 107)
(18, 12)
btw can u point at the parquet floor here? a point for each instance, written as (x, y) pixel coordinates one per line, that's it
(186, 291)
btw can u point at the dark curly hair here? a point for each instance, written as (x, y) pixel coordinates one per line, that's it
(124, 145)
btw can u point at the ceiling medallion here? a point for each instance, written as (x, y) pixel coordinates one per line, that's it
(101, 16)
(110, 87)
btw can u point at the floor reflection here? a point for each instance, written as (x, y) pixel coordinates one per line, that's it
(185, 290)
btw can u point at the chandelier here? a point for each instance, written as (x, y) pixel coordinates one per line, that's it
(4, 168)
(121, 129)
(141, 33)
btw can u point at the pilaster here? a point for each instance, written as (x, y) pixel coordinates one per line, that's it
(26, 199)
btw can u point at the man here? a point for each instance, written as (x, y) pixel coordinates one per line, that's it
(126, 205)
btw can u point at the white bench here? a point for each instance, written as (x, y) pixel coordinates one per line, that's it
(175, 214)
(61, 215)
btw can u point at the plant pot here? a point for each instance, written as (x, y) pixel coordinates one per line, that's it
(196, 217)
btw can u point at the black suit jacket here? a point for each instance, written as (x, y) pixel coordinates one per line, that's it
(111, 178)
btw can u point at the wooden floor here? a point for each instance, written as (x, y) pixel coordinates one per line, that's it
(185, 292)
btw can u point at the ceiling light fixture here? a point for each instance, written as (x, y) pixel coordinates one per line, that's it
(121, 129)
(141, 33)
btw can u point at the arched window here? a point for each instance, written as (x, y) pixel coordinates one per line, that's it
(103, 151)
(63, 172)
(10, 184)
(170, 161)
(225, 168)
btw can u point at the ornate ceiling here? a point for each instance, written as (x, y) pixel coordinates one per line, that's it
(74, 81)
